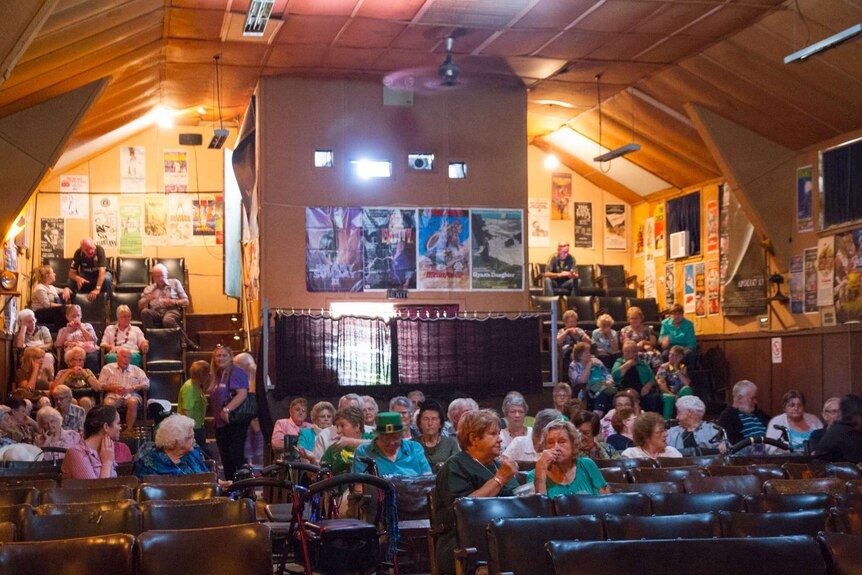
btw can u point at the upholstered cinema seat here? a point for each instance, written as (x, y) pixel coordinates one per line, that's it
(774, 524)
(790, 502)
(108, 554)
(84, 495)
(189, 492)
(85, 524)
(843, 553)
(196, 514)
(679, 503)
(617, 503)
(686, 526)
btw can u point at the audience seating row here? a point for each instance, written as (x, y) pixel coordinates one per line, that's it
(589, 308)
(130, 274)
(593, 280)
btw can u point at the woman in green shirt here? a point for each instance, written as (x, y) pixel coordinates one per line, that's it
(559, 471)
(192, 400)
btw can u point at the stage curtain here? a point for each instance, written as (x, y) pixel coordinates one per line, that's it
(683, 214)
(842, 183)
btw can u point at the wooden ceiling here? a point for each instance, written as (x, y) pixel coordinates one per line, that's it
(654, 56)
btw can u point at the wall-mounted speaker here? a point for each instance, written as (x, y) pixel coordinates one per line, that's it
(191, 140)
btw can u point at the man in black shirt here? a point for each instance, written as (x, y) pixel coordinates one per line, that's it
(843, 439)
(560, 274)
(89, 273)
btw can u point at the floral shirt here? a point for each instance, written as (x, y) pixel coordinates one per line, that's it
(606, 343)
(669, 375)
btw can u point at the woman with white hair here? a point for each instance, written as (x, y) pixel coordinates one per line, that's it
(515, 411)
(29, 334)
(174, 451)
(79, 334)
(52, 434)
(529, 447)
(124, 335)
(559, 470)
(457, 408)
(693, 435)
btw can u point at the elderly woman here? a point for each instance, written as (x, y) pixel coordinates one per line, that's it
(29, 334)
(124, 334)
(562, 394)
(475, 471)
(643, 335)
(174, 451)
(673, 380)
(591, 374)
(528, 447)
(570, 334)
(515, 411)
(799, 424)
(623, 423)
(52, 434)
(229, 388)
(693, 435)
(93, 456)
(438, 447)
(290, 425)
(650, 438)
(625, 398)
(322, 414)
(404, 407)
(79, 334)
(587, 424)
(559, 470)
(843, 439)
(33, 378)
(76, 377)
(457, 408)
(676, 330)
(18, 426)
(350, 423)
(370, 409)
(606, 340)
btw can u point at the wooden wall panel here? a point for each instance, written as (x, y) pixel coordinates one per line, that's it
(837, 364)
(800, 369)
(853, 384)
(749, 359)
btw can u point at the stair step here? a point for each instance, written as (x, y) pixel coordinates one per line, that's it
(209, 340)
(196, 322)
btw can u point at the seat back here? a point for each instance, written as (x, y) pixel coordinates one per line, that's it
(689, 526)
(8, 531)
(646, 475)
(647, 488)
(85, 495)
(615, 281)
(98, 506)
(615, 307)
(126, 298)
(679, 503)
(850, 499)
(103, 554)
(176, 268)
(411, 495)
(774, 524)
(191, 491)
(165, 385)
(584, 307)
(93, 312)
(765, 471)
(87, 524)
(800, 471)
(15, 514)
(616, 503)
(648, 306)
(694, 461)
(129, 481)
(843, 552)
(194, 478)
(845, 471)
(547, 302)
(472, 514)
(166, 349)
(61, 267)
(614, 474)
(132, 274)
(796, 555)
(790, 502)
(218, 512)
(19, 496)
(741, 484)
(226, 550)
(586, 275)
(846, 520)
(515, 544)
(854, 486)
(38, 482)
(830, 485)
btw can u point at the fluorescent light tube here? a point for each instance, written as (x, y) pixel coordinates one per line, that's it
(619, 152)
(825, 44)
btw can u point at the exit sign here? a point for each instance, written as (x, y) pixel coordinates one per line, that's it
(396, 294)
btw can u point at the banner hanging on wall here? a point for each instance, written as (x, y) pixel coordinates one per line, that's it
(131, 227)
(825, 270)
(743, 261)
(74, 197)
(180, 226)
(639, 240)
(106, 222)
(797, 284)
(497, 238)
(52, 238)
(133, 170)
(561, 195)
(615, 227)
(176, 171)
(444, 249)
(389, 248)
(539, 214)
(848, 276)
(155, 220)
(804, 203)
(700, 289)
(658, 216)
(712, 226)
(333, 249)
(713, 281)
(688, 288)
(669, 284)
(649, 275)
(583, 225)
(810, 255)
(204, 217)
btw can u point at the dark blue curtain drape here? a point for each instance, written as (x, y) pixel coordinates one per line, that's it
(683, 214)
(842, 184)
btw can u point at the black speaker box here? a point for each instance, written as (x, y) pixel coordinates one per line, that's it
(191, 139)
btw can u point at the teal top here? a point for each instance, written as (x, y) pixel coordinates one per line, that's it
(588, 480)
(306, 438)
(682, 335)
(410, 459)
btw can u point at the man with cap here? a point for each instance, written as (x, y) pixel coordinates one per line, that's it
(392, 454)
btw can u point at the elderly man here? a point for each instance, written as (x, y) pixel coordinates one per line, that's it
(73, 415)
(831, 414)
(742, 419)
(163, 301)
(330, 436)
(392, 454)
(561, 276)
(457, 408)
(89, 272)
(693, 435)
(123, 383)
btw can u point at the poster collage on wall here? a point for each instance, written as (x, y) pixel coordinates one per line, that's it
(368, 249)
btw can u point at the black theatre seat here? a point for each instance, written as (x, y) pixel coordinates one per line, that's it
(616, 503)
(775, 524)
(688, 526)
(678, 503)
(105, 554)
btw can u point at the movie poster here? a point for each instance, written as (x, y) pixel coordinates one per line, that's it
(797, 284)
(810, 255)
(583, 225)
(389, 248)
(539, 214)
(743, 261)
(133, 170)
(444, 249)
(649, 275)
(713, 281)
(615, 227)
(688, 288)
(700, 289)
(639, 240)
(669, 284)
(658, 216)
(712, 226)
(204, 217)
(848, 276)
(180, 226)
(106, 222)
(75, 197)
(498, 249)
(804, 193)
(825, 270)
(155, 220)
(561, 196)
(333, 249)
(52, 238)
(131, 228)
(176, 172)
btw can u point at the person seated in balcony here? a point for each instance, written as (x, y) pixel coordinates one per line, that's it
(29, 334)
(32, 378)
(163, 301)
(673, 380)
(606, 340)
(18, 425)
(73, 414)
(89, 272)
(174, 451)
(46, 300)
(742, 419)
(677, 330)
(569, 335)
(631, 372)
(79, 334)
(561, 275)
(643, 335)
(124, 334)
(590, 374)
(123, 384)
(693, 435)
(80, 380)
(392, 454)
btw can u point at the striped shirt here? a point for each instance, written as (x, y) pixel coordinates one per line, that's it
(751, 425)
(127, 379)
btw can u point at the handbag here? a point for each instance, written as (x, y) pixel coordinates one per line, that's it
(246, 411)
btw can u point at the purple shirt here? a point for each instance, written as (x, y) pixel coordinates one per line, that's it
(220, 396)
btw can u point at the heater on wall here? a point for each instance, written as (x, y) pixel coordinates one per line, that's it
(679, 245)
